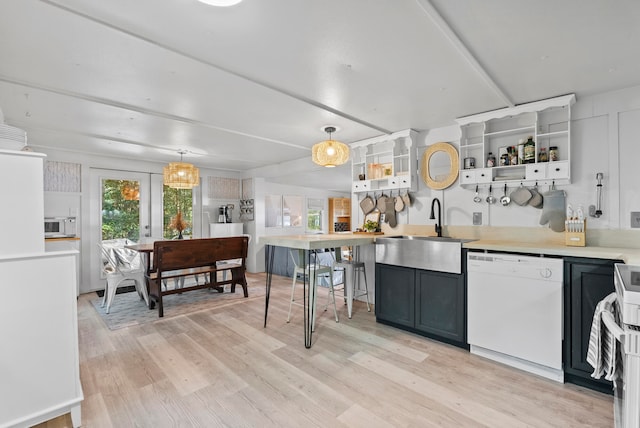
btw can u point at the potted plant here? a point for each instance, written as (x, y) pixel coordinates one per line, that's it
(371, 226)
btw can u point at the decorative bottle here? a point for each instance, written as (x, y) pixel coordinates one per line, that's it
(491, 160)
(521, 151)
(529, 151)
(542, 156)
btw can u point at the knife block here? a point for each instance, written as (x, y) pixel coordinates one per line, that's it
(576, 239)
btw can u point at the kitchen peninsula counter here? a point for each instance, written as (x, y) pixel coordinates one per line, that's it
(318, 241)
(307, 244)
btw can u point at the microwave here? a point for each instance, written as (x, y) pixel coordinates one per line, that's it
(59, 227)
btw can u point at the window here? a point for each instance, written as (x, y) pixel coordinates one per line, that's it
(315, 215)
(120, 209)
(292, 211)
(177, 212)
(284, 211)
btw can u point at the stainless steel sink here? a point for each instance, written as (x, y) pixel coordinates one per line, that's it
(428, 238)
(440, 254)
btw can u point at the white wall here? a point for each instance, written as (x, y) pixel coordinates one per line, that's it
(605, 132)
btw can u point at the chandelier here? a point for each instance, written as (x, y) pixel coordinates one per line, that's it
(181, 175)
(330, 153)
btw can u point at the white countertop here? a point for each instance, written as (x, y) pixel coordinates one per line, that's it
(628, 255)
(317, 241)
(320, 241)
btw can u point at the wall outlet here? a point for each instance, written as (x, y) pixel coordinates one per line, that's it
(477, 219)
(635, 219)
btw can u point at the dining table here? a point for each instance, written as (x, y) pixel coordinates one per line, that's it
(308, 245)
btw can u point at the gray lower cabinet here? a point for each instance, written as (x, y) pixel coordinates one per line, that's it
(587, 281)
(429, 303)
(440, 305)
(395, 292)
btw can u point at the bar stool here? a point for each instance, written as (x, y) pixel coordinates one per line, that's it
(352, 269)
(313, 271)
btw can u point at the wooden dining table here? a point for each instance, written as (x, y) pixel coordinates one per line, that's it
(308, 245)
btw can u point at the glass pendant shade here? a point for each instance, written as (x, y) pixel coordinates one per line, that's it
(181, 175)
(330, 153)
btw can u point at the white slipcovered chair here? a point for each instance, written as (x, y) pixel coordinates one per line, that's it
(120, 265)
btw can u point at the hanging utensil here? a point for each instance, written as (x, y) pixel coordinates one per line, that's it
(490, 198)
(521, 195)
(399, 203)
(477, 199)
(505, 200)
(381, 203)
(367, 205)
(536, 200)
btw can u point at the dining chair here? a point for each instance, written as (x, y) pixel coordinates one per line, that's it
(120, 265)
(312, 273)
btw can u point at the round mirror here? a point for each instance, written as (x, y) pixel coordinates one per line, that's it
(440, 166)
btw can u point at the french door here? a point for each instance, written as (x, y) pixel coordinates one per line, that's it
(123, 204)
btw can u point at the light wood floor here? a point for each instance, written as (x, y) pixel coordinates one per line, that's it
(221, 368)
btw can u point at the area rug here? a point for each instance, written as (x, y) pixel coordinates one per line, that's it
(128, 309)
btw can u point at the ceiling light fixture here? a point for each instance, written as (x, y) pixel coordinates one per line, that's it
(181, 175)
(223, 3)
(330, 153)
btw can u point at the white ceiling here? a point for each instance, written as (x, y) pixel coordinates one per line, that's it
(253, 85)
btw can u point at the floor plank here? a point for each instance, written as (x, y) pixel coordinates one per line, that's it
(221, 368)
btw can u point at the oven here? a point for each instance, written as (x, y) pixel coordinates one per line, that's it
(59, 227)
(622, 322)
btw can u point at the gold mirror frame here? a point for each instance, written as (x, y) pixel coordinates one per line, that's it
(449, 150)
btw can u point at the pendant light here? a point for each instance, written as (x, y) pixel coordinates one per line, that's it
(181, 175)
(222, 3)
(330, 153)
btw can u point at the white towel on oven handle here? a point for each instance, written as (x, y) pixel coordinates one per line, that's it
(603, 353)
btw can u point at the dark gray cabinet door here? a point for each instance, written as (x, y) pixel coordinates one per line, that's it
(395, 292)
(440, 304)
(587, 281)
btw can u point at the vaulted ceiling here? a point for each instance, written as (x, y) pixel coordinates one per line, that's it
(253, 85)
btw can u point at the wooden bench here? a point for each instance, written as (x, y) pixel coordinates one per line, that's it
(207, 257)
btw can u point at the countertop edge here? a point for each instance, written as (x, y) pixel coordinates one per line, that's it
(627, 255)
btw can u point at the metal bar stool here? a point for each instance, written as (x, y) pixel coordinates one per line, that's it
(352, 285)
(313, 271)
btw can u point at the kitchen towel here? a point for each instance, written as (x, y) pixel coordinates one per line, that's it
(554, 210)
(603, 353)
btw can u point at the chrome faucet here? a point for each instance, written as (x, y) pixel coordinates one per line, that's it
(433, 216)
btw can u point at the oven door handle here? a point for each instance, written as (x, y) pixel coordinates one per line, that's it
(613, 327)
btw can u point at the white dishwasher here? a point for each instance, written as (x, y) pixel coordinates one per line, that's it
(514, 311)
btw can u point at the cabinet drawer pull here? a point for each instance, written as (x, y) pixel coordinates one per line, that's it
(535, 170)
(557, 169)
